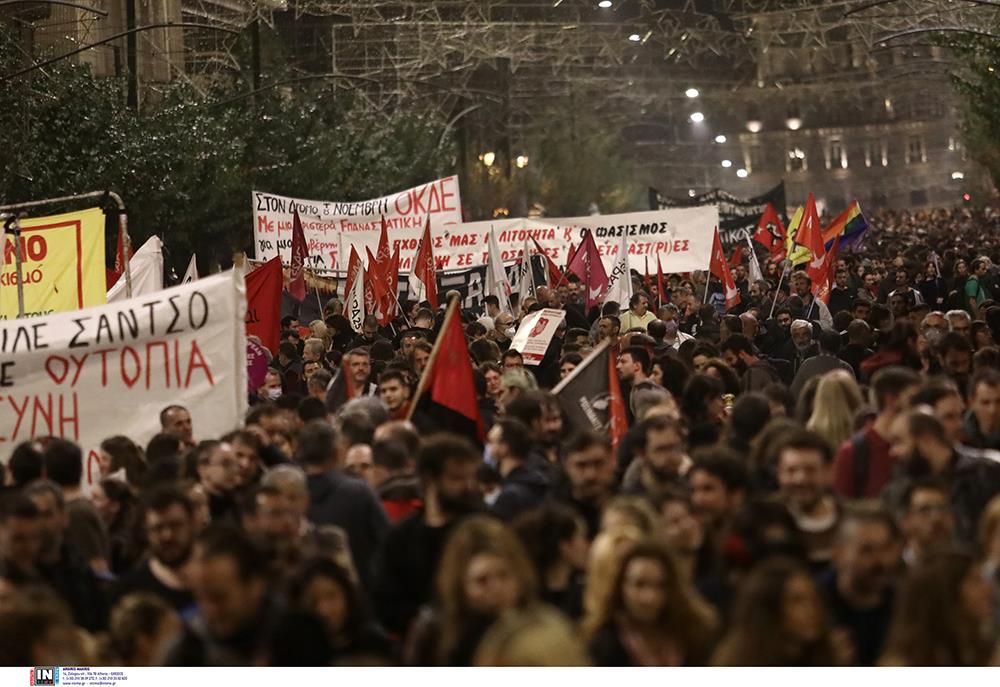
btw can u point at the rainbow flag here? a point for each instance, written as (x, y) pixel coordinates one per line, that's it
(850, 226)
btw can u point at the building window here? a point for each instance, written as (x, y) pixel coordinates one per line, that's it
(915, 150)
(836, 155)
(796, 160)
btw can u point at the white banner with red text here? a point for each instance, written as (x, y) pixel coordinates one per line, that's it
(87, 375)
(331, 226)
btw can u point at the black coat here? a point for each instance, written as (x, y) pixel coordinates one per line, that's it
(336, 499)
(522, 490)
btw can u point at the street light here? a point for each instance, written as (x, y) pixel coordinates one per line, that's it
(727, 163)
(741, 173)
(488, 158)
(697, 117)
(721, 138)
(692, 93)
(635, 38)
(957, 176)
(521, 161)
(691, 193)
(605, 4)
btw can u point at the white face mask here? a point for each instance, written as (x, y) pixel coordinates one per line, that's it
(510, 332)
(274, 394)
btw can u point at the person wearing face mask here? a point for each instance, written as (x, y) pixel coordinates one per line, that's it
(933, 328)
(271, 389)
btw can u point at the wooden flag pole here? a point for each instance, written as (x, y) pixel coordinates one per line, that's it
(422, 386)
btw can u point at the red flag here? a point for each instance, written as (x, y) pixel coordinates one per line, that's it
(571, 253)
(391, 298)
(810, 233)
(586, 264)
(661, 300)
(617, 420)
(646, 280)
(354, 268)
(554, 274)
(297, 280)
(341, 390)
(720, 268)
(113, 275)
(374, 288)
(822, 283)
(383, 244)
(771, 233)
(737, 257)
(424, 269)
(447, 388)
(263, 318)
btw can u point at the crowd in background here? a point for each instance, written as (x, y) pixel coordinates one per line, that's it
(801, 484)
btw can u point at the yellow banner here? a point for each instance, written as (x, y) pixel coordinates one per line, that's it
(62, 264)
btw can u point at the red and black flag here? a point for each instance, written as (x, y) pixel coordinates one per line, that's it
(446, 398)
(591, 396)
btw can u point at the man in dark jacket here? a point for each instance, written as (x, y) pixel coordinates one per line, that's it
(409, 555)
(756, 372)
(524, 487)
(858, 348)
(336, 499)
(818, 365)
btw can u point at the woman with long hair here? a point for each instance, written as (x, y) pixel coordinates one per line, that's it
(838, 398)
(942, 616)
(116, 504)
(653, 617)
(555, 538)
(328, 591)
(484, 571)
(779, 620)
(121, 453)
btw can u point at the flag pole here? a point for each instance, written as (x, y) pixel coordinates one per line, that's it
(422, 385)
(774, 301)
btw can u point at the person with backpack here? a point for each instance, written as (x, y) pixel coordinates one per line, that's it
(975, 292)
(864, 463)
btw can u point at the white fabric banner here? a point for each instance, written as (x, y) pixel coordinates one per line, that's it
(147, 272)
(535, 334)
(90, 374)
(619, 278)
(331, 227)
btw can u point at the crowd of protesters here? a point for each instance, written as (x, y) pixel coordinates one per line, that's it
(801, 484)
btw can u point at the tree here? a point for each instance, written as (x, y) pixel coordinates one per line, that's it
(979, 84)
(186, 166)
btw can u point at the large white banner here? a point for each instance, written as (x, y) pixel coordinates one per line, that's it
(90, 374)
(330, 227)
(680, 237)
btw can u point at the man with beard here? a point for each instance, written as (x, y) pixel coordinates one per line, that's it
(955, 357)
(634, 367)
(409, 555)
(590, 476)
(858, 588)
(168, 521)
(755, 372)
(926, 519)
(661, 453)
(774, 341)
(804, 460)
(812, 309)
(541, 413)
(842, 296)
